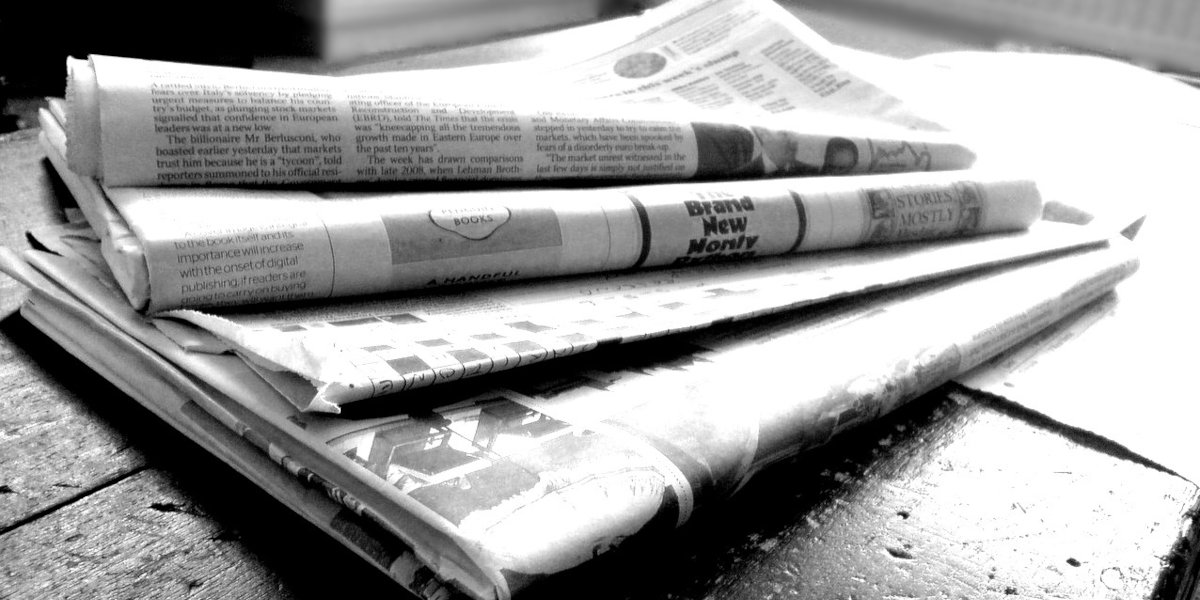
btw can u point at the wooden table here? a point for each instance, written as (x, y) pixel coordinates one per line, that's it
(954, 496)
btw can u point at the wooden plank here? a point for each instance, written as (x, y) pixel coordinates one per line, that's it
(941, 500)
(199, 532)
(980, 503)
(137, 539)
(57, 440)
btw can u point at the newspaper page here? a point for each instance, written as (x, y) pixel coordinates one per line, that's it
(228, 246)
(524, 477)
(364, 348)
(154, 123)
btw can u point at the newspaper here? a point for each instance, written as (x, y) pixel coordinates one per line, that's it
(329, 355)
(498, 485)
(708, 89)
(176, 398)
(200, 248)
(326, 355)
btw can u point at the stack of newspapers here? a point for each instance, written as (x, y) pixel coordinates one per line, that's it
(362, 292)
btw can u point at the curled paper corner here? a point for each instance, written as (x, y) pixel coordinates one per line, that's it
(320, 404)
(303, 392)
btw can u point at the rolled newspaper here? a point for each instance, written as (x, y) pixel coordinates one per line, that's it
(684, 92)
(143, 123)
(232, 246)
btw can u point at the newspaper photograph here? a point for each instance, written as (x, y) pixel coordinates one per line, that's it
(497, 485)
(211, 247)
(146, 123)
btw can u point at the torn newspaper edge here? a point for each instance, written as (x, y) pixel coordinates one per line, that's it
(498, 485)
(726, 89)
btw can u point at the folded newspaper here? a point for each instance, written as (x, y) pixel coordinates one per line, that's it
(325, 355)
(196, 247)
(712, 89)
(487, 488)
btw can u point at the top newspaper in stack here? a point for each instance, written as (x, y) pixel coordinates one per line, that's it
(746, 60)
(723, 88)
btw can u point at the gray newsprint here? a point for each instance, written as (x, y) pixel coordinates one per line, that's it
(715, 89)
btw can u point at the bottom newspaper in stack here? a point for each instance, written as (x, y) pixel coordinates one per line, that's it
(480, 488)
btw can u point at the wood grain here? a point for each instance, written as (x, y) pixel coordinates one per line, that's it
(139, 539)
(54, 447)
(944, 499)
